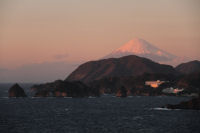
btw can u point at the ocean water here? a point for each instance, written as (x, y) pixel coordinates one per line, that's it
(107, 114)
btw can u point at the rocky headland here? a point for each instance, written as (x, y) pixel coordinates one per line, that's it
(193, 104)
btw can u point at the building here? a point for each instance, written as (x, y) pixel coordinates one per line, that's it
(154, 84)
(172, 90)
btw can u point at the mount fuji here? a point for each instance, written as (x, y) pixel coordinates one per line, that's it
(145, 49)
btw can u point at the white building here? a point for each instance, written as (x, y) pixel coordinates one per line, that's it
(172, 90)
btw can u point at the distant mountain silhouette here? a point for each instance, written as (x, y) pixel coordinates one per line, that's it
(118, 67)
(189, 67)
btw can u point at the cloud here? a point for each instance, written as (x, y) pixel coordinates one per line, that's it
(60, 56)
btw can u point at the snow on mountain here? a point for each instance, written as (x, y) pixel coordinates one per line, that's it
(145, 49)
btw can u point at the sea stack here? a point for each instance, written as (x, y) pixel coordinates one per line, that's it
(16, 91)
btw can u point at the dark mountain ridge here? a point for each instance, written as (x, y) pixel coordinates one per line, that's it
(189, 67)
(121, 76)
(118, 67)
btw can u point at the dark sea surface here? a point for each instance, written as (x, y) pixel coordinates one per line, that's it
(107, 114)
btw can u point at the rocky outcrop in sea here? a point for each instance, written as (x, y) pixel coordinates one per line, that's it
(16, 91)
(191, 104)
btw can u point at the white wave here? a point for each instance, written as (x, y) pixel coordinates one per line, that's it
(66, 109)
(137, 118)
(164, 109)
(91, 97)
(161, 109)
(4, 97)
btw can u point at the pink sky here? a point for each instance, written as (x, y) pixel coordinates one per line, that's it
(35, 31)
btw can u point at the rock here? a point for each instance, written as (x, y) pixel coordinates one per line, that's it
(16, 91)
(121, 92)
(191, 104)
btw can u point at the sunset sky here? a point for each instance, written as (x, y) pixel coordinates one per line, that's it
(74, 31)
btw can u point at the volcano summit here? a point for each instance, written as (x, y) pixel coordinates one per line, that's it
(145, 49)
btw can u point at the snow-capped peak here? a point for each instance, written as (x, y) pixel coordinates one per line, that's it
(137, 46)
(142, 48)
